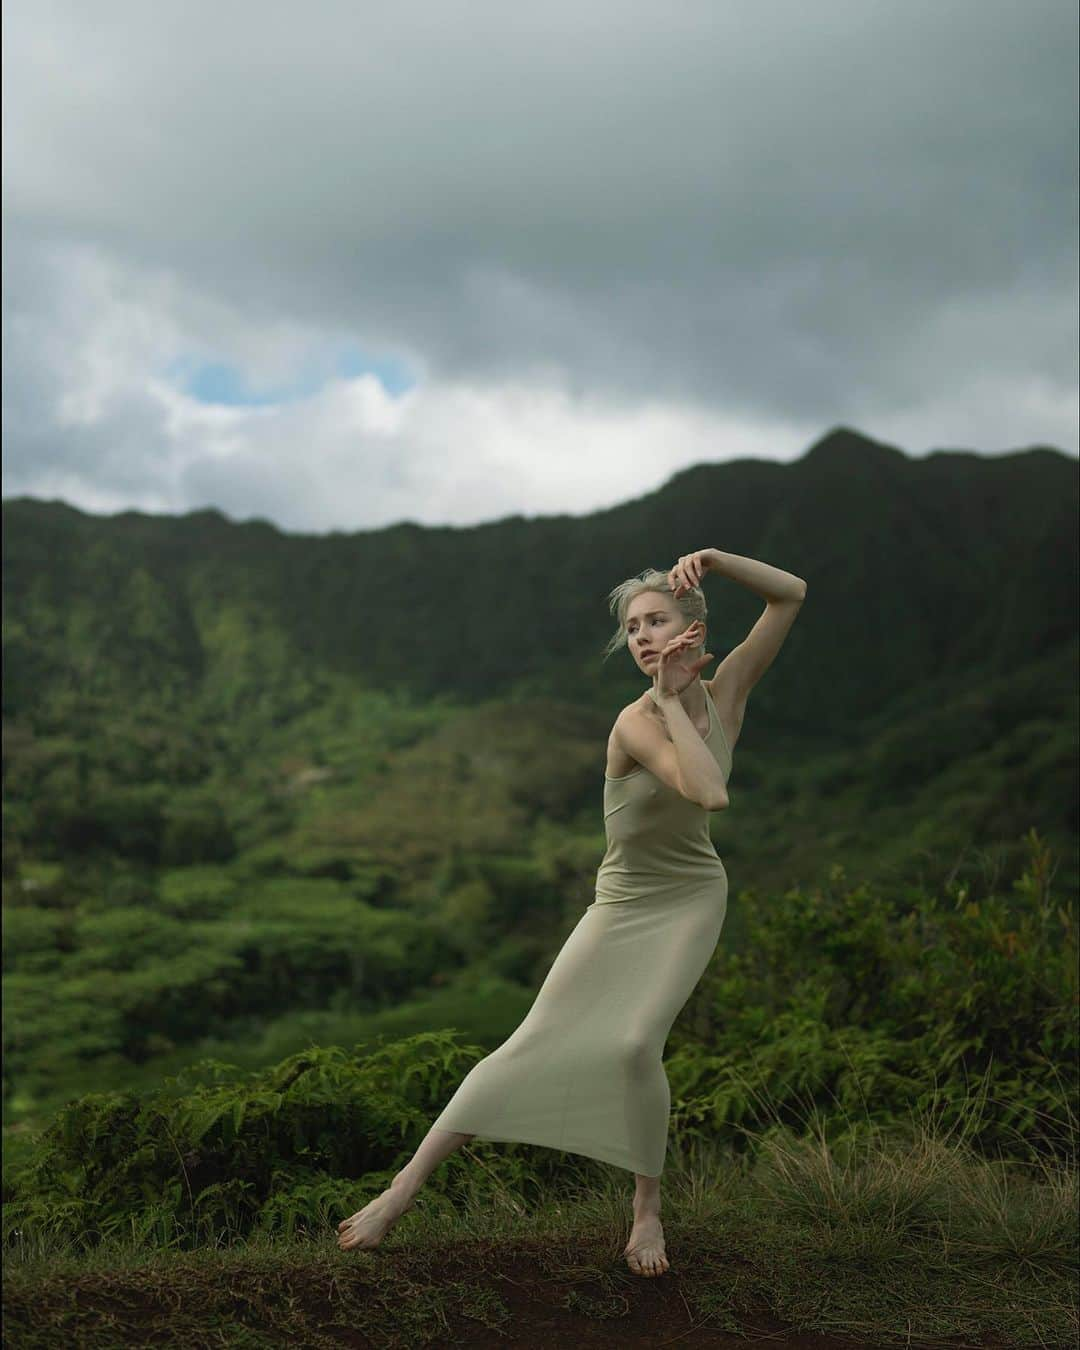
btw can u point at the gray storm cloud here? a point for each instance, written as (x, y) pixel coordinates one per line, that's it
(777, 216)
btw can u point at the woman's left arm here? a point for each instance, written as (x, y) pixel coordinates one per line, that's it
(783, 593)
(771, 583)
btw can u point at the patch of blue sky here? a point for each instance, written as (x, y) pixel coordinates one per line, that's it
(223, 382)
(396, 376)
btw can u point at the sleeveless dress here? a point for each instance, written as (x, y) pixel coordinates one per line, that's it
(583, 1072)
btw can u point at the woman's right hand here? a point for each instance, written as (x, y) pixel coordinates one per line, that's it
(674, 669)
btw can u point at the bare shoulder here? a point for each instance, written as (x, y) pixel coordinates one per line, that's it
(619, 760)
(632, 711)
(642, 704)
(642, 708)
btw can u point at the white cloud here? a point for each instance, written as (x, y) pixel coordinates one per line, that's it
(610, 239)
(351, 456)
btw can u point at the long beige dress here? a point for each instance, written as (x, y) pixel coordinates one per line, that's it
(583, 1072)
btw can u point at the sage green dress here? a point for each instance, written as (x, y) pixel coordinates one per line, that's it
(583, 1072)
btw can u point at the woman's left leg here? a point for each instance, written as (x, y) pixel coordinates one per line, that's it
(644, 1252)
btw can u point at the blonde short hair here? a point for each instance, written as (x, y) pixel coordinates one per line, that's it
(692, 604)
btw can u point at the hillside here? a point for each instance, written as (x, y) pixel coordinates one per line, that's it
(327, 777)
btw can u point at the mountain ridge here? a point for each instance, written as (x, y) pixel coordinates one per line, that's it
(957, 565)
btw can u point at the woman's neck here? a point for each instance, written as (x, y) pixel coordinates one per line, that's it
(692, 697)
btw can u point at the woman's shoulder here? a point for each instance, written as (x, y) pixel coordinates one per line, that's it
(639, 707)
(620, 764)
(642, 706)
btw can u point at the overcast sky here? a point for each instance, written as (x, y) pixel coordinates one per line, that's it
(339, 264)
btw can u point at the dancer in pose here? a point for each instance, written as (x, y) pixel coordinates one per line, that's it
(583, 1072)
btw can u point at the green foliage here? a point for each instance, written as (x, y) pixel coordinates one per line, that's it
(843, 1008)
(196, 831)
(114, 1000)
(128, 821)
(470, 907)
(198, 892)
(845, 1002)
(34, 939)
(266, 1151)
(123, 939)
(130, 975)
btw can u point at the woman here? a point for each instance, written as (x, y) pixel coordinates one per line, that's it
(583, 1072)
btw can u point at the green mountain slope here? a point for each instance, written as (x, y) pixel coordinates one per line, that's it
(238, 762)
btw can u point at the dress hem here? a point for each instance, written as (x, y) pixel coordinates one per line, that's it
(608, 1157)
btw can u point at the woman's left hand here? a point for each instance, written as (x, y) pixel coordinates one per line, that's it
(689, 570)
(675, 671)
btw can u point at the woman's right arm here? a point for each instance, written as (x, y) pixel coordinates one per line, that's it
(698, 769)
(670, 761)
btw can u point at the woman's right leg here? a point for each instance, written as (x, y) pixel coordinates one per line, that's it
(368, 1226)
(434, 1148)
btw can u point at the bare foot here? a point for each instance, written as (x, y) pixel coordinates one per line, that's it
(368, 1226)
(644, 1252)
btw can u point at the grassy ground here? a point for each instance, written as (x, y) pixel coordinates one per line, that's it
(886, 1241)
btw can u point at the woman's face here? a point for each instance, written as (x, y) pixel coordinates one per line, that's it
(652, 620)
